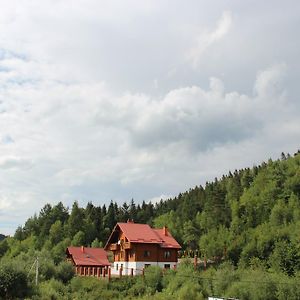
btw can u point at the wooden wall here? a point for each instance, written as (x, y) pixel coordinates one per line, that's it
(137, 253)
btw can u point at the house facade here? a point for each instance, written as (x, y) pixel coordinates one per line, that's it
(137, 246)
(88, 261)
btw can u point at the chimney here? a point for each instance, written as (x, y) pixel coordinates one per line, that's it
(130, 221)
(82, 249)
(165, 230)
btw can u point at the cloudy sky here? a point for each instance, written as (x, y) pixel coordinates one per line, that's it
(104, 100)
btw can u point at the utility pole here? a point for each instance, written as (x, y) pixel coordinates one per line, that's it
(37, 271)
(36, 263)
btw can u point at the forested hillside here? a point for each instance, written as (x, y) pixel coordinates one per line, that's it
(250, 217)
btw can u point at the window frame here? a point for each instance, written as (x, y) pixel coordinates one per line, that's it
(147, 253)
(167, 254)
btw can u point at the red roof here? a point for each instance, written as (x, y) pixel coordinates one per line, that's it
(143, 233)
(83, 256)
(139, 233)
(168, 240)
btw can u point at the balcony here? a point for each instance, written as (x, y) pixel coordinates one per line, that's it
(127, 245)
(114, 247)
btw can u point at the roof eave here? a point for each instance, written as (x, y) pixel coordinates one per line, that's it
(107, 243)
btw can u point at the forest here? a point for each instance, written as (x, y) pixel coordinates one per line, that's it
(247, 222)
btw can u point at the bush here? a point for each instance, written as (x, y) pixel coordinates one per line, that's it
(65, 272)
(13, 282)
(91, 288)
(153, 279)
(47, 270)
(52, 290)
(225, 276)
(124, 285)
(190, 291)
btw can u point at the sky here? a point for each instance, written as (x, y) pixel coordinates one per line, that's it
(114, 100)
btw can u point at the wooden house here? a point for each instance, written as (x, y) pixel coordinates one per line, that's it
(88, 261)
(137, 246)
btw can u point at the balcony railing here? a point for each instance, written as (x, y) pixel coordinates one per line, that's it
(114, 247)
(127, 245)
(124, 245)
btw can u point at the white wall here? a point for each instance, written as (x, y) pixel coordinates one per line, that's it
(137, 266)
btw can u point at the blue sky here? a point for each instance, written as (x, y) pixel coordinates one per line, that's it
(104, 100)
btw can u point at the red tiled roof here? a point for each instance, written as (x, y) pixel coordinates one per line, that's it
(83, 256)
(168, 240)
(143, 233)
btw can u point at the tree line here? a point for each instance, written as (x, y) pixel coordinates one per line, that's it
(250, 217)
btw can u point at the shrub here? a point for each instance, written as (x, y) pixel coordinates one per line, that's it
(153, 279)
(91, 288)
(65, 272)
(13, 282)
(52, 289)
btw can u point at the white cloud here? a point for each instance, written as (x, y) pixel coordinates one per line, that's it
(269, 81)
(206, 39)
(13, 162)
(71, 140)
(98, 100)
(4, 204)
(157, 199)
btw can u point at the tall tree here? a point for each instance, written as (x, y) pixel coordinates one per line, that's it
(76, 220)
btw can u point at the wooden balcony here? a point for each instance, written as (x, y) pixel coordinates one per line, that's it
(127, 245)
(114, 247)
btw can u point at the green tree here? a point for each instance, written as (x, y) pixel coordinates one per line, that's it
(191, 234)
(76, 220)
(13, 282)
(110, 218)
(3, 247)
(78, 239)
(153, 279)
(96, 243)
(56, 232)
(285, 257)
(215, 242)
(65, 272)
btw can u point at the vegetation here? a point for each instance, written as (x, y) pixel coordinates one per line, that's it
(247, 222)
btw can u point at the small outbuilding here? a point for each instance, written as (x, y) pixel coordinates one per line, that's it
(88, 261)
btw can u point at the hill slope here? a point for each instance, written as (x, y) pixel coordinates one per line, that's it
(250, 216)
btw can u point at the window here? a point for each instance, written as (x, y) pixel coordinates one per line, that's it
(131, 253)
(117, 267)
(167, 254)
(146, 253)
(167, 266)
